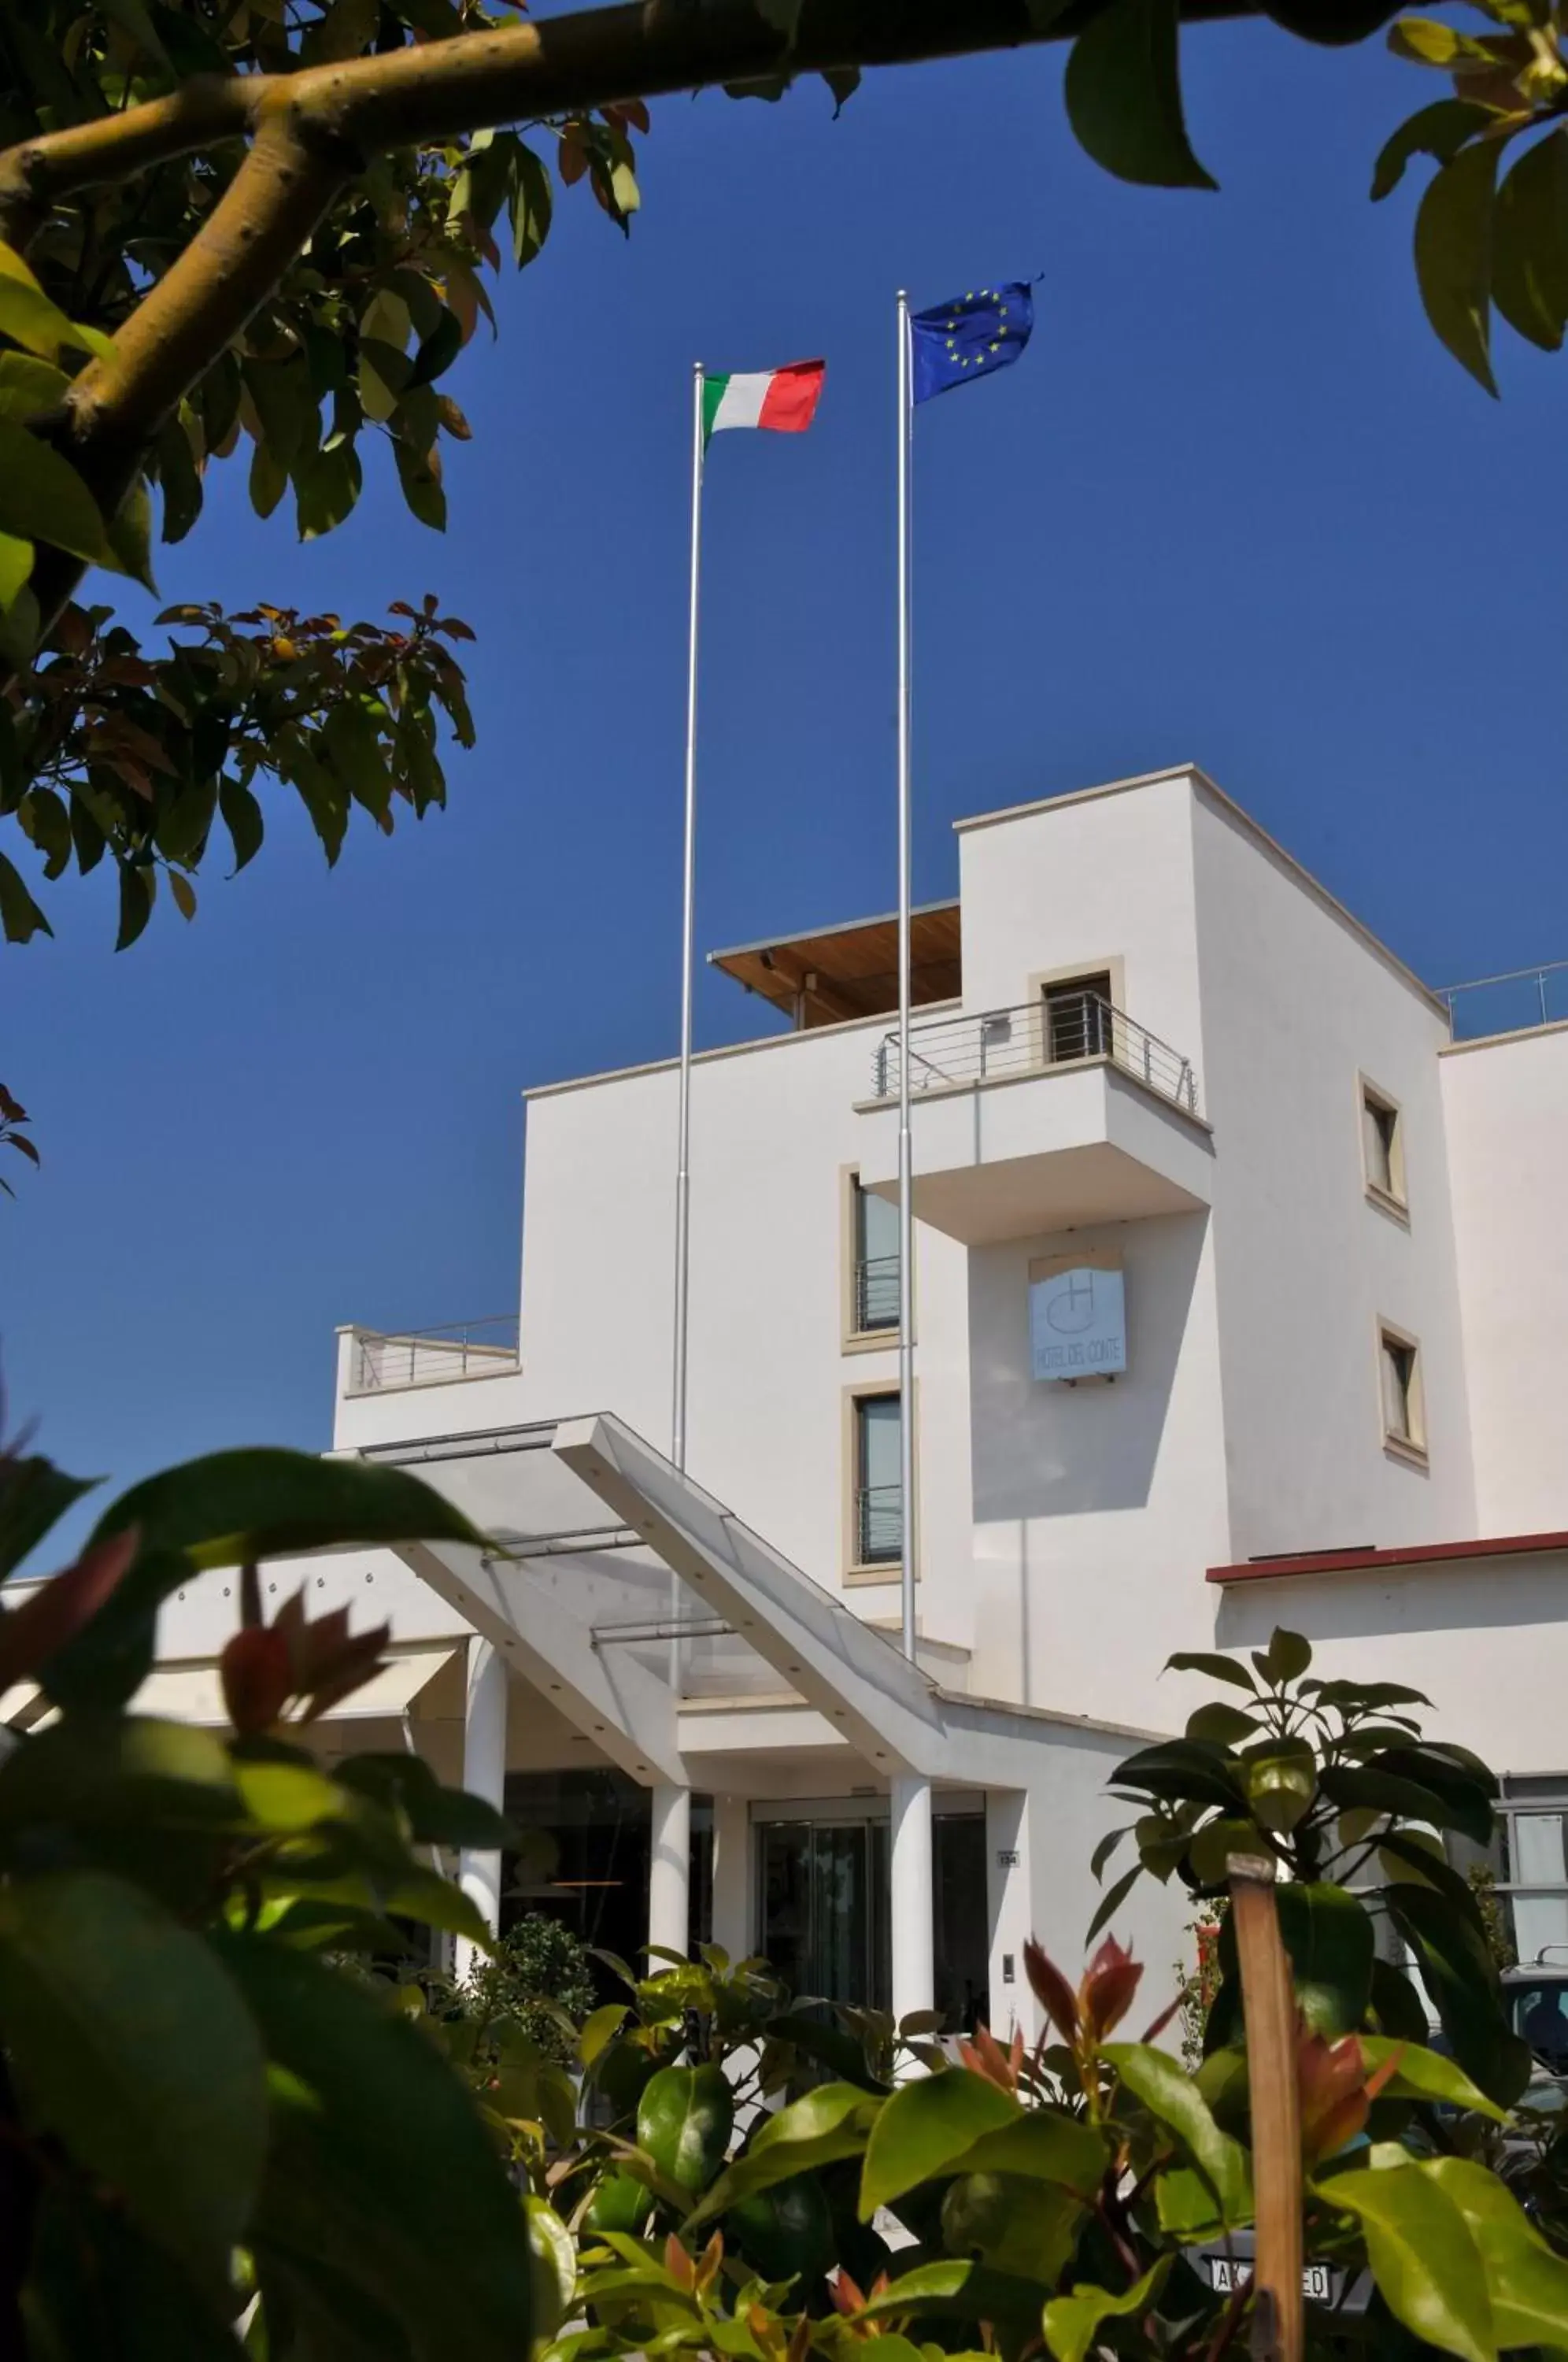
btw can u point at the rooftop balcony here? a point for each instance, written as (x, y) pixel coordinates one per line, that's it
(1059, 1112)
(376, 1362)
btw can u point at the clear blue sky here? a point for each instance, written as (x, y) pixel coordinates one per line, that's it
(1234, 506)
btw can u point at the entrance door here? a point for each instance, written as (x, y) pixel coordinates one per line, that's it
(825, 1908)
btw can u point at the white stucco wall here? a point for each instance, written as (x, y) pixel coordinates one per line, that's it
(773, 1132)
(1299, 1003)
(1507, 1106)
(1487, 1639)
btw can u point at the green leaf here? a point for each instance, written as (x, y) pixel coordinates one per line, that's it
(30, 387)
(1462, 1785)
(1370, 1789)
(1462, 1982)
(439, 351)
(1527, 2282)
(1123, 94)
(1281, 1777)
(1216, 1840)
(384, 371)
(923, 2127)
(1427, 2265)
(19, 914)
(130, 538)
(1165, 2088)
(42, 498)
(132, 2045)
(1424, 2074)
(1329, 1940)
(685, 2116)
(26, 315)
(1012, 2223)
(1426, 41)
(242, 818)
(1529, 244)
(1180, 1769)
(531, 203)
(421, 487)
(137, 887)
(1440, 130)
(1218, 1668)
(326, 489)
(268, 479)
(405, 1786)
(15, 569)
(223, 1510)
(1073, 2323)
(1288, 1656)
(352, 743)
(1454, 257)
(381, 2179)
(1226, 1725)
(960, 2289)
(232, 1507)
(1113, 1900)
(1043, 2146)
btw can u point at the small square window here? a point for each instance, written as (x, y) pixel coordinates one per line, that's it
(1399, 1378)
(1382, 1148)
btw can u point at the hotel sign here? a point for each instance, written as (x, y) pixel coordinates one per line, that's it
(1078, 1319)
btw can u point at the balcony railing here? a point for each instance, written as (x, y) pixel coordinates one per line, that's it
(879, 1524)
(1515, 1003)
(431, 1357)
(1066, 1030)
(875, 1293)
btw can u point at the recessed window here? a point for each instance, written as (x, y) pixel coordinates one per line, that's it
(878, 1507)
(873, 1262)
(1382, 1147)
(1399, 1376)
(1078, 1018)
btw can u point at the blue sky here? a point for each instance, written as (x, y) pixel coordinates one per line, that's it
(1234, 506)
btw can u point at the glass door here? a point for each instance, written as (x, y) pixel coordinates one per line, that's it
(824, 1909)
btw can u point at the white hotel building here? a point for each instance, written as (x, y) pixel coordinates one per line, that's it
(1239, 1296)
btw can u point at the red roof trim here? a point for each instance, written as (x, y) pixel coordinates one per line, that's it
(1277, 1569)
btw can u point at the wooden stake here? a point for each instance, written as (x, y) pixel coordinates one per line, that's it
(1268, 2000)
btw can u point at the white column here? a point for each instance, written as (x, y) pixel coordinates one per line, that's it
(911, 1910)
(1012, 2002)
(732, 1875)
(484, 1775)
(670, 1870)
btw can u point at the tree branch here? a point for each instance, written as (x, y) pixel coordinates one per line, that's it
(315, 129)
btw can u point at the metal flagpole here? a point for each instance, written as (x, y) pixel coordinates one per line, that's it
(906, 1216)
(687, 942)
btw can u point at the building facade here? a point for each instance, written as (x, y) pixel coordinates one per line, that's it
(1239, 1298)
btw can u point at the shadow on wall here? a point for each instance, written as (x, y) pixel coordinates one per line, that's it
(1428, 1598)
(1053, 1451)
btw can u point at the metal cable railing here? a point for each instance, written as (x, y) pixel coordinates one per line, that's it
(1515, 1002)
(426, 1357)
(879, 1524)
(1057, 1029)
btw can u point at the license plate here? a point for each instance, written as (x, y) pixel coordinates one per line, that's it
(1223, 2273)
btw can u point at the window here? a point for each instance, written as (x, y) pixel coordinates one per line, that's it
(878, 1503)
(873, 1262)
(1382, 1147)
(1078, 1018)
(1399, 1374)
(1526, 1868)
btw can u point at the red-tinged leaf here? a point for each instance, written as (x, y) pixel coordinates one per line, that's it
(185, 894)
(12, 1110)
(1111, 1982)
(30, 1634)
(1152, 2033)
(257, 1682)
(1052, 1990)
(678, 2263)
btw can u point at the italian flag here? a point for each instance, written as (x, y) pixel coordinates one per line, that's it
(784, 399)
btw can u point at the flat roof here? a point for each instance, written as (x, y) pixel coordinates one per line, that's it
(831, 974)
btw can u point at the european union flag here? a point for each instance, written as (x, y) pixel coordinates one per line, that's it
(967, 338)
